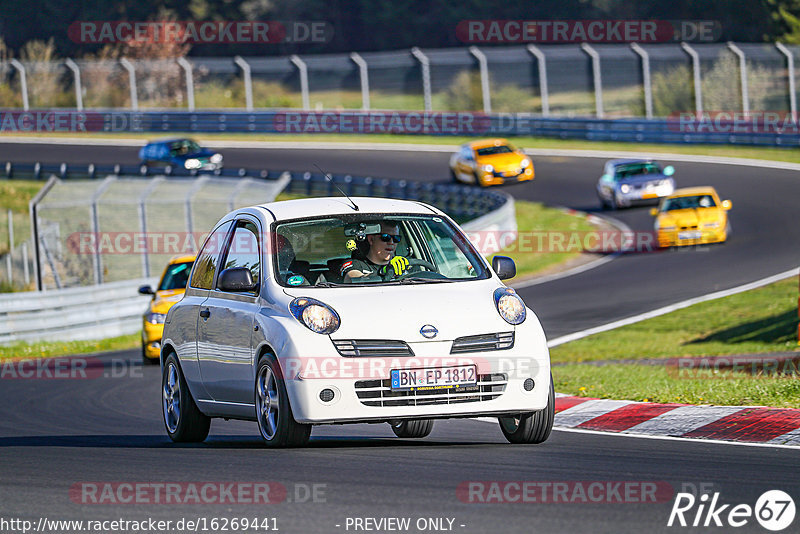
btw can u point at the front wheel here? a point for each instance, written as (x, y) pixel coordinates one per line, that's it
(183, 420)
(413, 428)
(532, 427)
(273, 411)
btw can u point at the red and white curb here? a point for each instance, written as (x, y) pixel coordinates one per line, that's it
(776, 426)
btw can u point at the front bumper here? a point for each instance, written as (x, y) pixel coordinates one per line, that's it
(151, 339)
(687, 237)
(642, 196)
(499, 178)
(528, 359)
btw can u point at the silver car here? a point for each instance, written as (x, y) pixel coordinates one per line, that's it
(627, 182)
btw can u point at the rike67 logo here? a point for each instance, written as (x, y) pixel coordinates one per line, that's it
(774, 510)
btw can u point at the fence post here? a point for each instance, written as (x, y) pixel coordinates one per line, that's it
(132, 79)
(541, 62)
(364, 74)
(484, 68)
(248, 81)
(303, 70)
(698, 89)
(790, 66)
(187, 68)
(198, 184)
(76, 71)
(425, 64)
(23, 82)
(25, 269)
(597, 78)
(648, 88)
(742, 75)
(98, 264)
(143, 223)
(33, 210)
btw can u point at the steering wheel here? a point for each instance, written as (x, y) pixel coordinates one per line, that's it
(412, 262)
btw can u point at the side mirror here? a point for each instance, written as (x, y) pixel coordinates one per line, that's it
(727, 204)
(237, 280)
(606, 177)
(504, 267)
(654, 212)
(669, 170)
(146, 290)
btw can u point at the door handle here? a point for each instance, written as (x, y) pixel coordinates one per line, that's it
(205, 314)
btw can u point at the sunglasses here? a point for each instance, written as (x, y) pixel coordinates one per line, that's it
(390, 237)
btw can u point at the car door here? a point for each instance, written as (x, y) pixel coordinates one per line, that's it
(225, 329)
(185, 314)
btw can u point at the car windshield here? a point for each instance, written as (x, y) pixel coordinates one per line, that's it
(183, 147)
(636, 169)
(176, 276)
(492, 150)
(690, 202)
(351, 250)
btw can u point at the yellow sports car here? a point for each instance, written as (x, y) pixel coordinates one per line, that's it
(490, 162)
(692, 216)
(170, 290)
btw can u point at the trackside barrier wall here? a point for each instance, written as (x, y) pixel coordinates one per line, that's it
(774, 129)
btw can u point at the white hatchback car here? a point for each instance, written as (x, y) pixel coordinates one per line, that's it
(331, 310)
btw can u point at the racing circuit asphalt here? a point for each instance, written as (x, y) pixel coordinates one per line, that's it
(55, 433)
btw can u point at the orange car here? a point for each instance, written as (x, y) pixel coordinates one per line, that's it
(490, 162)
(169, 291)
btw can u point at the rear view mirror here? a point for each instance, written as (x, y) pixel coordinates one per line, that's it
(236, 280)
(504, 267)
(669, 170)
(146, 290)
(727, 204)
(361, 230)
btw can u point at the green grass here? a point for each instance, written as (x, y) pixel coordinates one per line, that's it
(14, 196)
(46, 349)
(759, 320)
(660, 384)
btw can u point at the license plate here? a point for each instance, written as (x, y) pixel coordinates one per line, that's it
(435, 378)
(689, 235)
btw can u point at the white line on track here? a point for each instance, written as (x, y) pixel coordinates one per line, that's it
(672, 307)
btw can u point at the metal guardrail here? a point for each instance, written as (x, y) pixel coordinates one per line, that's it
(760, 130)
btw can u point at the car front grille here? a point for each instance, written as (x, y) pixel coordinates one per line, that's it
(372, 348)
(483, 342)
(380, 393)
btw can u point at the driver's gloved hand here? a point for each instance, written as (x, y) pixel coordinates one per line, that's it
(399, 264)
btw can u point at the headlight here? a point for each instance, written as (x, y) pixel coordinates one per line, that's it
(488, 168)
(156, 318)
(625, 188)
(315, 315)
(192, 163)
(509, 305)
(711, 225)
(524, 163)
(216, 158)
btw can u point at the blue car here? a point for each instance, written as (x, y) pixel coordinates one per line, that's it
(627, 182)
(184, 153)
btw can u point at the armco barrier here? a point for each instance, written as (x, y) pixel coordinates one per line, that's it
(759, 130)
(77, 313)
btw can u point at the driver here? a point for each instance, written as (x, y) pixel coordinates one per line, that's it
(379, 257)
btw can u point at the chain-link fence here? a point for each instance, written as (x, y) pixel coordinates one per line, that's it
(125, 227)
(618, 80)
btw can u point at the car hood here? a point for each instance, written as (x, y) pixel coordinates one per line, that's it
(165, 299)
(398, 312)
(690, 217)
(502, 162)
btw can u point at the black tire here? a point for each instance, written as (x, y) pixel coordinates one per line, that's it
(532, 427)
(412, 428)
(183, 420)
(454, 177)
(276, 422)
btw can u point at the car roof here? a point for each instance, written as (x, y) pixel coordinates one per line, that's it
(484, 143)
(689, 191)
(309, 207)
(616, 162)
(183, 258)
(170, 140)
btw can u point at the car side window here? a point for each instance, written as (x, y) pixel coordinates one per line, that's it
(244, 249)
(205, 266)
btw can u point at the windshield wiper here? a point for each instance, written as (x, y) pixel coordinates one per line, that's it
(422, 280)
